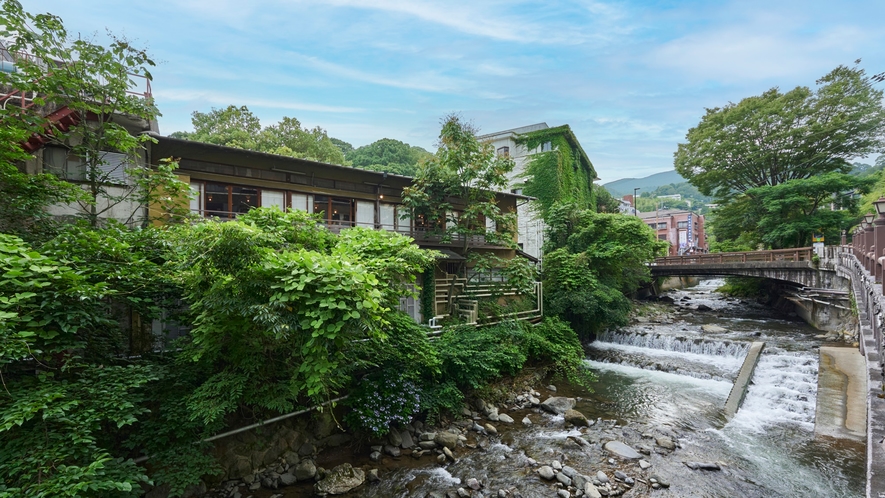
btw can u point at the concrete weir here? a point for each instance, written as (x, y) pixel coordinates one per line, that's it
(841, 394)
(742, 382)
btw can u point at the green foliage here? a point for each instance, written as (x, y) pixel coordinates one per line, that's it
(776, 137)
(26, 198)
(591, 262)
(382, 400)
(467, 170)
(237, 127)
(605, 201)
(428, 294)
(562, 174)
(440, 397)
(553, 342)
(745, 287)
(389, 155)
(297, 229)
(93, 81)
(55, 432)
(163, 193)
(473, 356)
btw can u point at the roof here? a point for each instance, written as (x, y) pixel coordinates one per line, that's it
(212, 153)
(515, 131)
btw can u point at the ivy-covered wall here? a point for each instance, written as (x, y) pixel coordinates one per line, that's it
(562, 174)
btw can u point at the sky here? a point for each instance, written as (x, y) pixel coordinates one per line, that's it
(629, 77)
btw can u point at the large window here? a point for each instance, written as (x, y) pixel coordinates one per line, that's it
(337, 211)
(111, 168)
(681, 224)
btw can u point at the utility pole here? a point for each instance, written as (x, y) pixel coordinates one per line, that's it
(635, 211)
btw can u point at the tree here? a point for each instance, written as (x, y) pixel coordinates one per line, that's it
(592, 262)
(777, 137)
(469, 172)
(238, 127)
(90, 84)
(389, 155)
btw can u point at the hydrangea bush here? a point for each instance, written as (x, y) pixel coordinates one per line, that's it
(383, 401)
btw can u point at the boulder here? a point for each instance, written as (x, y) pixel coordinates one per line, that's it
(504, 418)
(305, 470)
(622, 450)
(394, 438)
(665, 442)
(558, 404)
(547, 472)
(446, 439)
(591, 491)
(340, 480)
(288, 478)
(576, 418)
(407, 441)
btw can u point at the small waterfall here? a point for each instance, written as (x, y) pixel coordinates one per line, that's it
(783, 390)
(678, 344)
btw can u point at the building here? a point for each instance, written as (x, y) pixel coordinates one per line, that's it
(684, 230)
(510, 143)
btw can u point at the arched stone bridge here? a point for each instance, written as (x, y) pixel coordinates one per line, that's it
(797, 266)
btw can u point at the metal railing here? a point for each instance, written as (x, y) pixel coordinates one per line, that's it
(777, 255)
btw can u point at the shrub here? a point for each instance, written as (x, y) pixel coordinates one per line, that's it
(382, 400)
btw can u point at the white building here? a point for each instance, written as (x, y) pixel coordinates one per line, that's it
(507, 142)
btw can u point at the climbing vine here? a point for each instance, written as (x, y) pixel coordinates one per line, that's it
(562, 174)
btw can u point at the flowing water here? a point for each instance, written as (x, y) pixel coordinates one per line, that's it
(672, 378)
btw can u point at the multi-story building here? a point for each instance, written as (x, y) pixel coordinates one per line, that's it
(507, 142)
(684, 230)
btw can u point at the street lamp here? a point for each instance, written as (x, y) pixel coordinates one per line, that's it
(879, 237)
(635, 211)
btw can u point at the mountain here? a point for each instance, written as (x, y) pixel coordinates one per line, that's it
(625, 186)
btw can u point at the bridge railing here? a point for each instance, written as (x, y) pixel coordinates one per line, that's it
(777, 255)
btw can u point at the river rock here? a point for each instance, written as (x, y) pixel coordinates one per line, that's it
(526, 421)
(557, 466)
(558, 404)
(665, 442)
(407, 441)
(601, 477)
(622, 450)
(591, 491)
(569, 471)
(427, 445)
(395, 438)
(372, 475)
(576, 418)
(704, 307)
(656, 479)
(448, 453)
(713, 329)
(427, 436)
(492, 414)
(563, 493)
(644, 464)
(392, 450)
(702, 466)
(491, 429)
(564, 479)
(620, 475)
(375, 456)
(534, 401)
(463, 493)
(446, 439)
(305, 470)
(473, 484)
(504, 418)
(288, 478)
(546, 472)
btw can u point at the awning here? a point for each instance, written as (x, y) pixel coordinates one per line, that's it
(449, 255)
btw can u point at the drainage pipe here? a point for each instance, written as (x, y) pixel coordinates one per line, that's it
(258, 424)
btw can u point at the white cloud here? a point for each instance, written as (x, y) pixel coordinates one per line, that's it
(225, 99)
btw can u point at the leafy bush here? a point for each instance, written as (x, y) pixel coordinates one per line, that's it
(473, 356)
(383, 400)
(553, 341)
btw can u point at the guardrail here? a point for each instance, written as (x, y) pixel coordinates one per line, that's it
(777, 255)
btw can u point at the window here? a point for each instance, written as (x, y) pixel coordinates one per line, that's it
(387, 216)
(337, 211)
(681, 224)
(504, 151)
(216, 200)
(652, 226)
(546, 147)
(662, 237)
(243, 199)
(365, 214)
(273, 198)
(662, 226)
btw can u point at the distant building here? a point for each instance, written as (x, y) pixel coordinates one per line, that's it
(628, 205)
(683, 229)
(531, 226)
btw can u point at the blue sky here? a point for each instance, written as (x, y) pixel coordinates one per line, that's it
(629, 77)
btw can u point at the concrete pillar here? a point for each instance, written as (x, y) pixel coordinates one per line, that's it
(868, 251)
(879, 241)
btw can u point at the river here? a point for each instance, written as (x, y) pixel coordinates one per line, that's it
(670, 377)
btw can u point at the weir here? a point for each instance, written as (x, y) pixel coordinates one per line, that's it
(742, 382)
